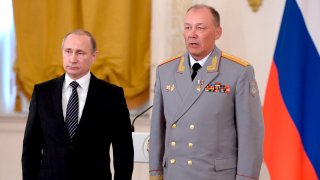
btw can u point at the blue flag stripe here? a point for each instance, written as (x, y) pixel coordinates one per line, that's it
(298, 65)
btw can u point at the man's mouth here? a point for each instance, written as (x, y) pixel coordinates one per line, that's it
(193, 44)
(72, 67)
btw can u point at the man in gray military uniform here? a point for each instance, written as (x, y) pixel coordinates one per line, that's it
(207, 120)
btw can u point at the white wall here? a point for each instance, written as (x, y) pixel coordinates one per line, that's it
(11, 135)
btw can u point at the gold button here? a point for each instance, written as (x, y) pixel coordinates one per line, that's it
(173, 143)
(172, 161)
(192, 126)
(190, 163)
(190, 145)
(174, 125)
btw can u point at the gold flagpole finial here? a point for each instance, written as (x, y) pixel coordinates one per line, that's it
(255, 4)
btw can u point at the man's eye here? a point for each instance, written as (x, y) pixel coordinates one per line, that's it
(81, 53)
(187, 27)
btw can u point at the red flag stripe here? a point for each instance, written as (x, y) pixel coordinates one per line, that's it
(283, 150)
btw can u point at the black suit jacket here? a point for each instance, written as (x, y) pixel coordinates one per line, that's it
(48, 153)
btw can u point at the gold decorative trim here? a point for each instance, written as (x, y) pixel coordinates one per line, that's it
(213, 65)
(157, 177)
(235, 59)
(255, 4)
(169, 60)
(181, 65)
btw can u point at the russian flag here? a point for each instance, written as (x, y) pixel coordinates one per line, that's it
(292, 102)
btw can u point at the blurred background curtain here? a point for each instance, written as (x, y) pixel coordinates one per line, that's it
(121, 28)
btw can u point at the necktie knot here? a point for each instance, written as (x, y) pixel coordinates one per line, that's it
(195, 67)
(74, 84)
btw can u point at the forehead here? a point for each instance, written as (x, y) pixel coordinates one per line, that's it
(77, 41)
(200, 15)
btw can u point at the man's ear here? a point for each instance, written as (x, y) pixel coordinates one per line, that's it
(218, 33)
(94, 54)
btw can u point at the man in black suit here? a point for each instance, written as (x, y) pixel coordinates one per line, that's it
(70, 128)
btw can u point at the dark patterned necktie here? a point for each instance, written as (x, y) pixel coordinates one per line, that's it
(72, 111)
(195, 67)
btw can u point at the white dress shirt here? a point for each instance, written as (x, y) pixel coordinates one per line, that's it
(82, 92)
(201, 62)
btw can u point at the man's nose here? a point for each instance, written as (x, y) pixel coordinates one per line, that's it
(192, 33)
(73, 57)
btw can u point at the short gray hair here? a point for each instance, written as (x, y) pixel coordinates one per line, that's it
(214, 12)
(83, 32)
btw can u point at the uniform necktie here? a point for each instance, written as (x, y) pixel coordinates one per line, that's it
(72, 111)
(195, 67)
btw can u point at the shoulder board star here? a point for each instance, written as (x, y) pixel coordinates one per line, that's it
(169, 60)
(235, 59)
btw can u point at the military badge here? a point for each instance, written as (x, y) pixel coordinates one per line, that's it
(213, 65)
(218, 87)
(170, 87)
(253, 88)
(200, 83)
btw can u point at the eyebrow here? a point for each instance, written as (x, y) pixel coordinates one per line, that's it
(76, 50)
(195, 23)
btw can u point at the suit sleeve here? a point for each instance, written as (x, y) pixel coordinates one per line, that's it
(31, 153)
(250, 128)
(157, 133)
(122, 143)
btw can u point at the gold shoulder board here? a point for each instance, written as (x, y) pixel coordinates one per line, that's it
(156, 177)
(235, 59)
(169, 60)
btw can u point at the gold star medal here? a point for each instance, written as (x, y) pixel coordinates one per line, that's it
(200, 82)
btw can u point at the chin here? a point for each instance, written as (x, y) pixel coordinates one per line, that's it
(193, 50)
(193, 53)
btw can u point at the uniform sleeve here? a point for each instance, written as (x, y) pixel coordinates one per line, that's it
(157, 133)
(31, 153)
(250, 128)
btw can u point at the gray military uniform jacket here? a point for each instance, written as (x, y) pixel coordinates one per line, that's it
(207, 129)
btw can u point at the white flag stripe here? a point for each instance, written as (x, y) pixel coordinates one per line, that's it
(311, 14)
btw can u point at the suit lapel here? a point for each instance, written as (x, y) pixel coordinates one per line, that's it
(194, 89)
(56, 96)
(90, 99)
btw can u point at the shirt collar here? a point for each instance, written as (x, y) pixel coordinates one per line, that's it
(201, 62)
(83, 81)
